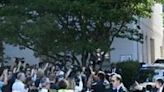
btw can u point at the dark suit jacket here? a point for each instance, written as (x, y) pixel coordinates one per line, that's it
(155, 90)
(98, 87)
(120, 90)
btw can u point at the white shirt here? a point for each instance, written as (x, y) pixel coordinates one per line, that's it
(19, 86)
(60, 74)
(160, 89)
(65, 90)
(80, 87)
(34, 77)
(118, 88)
(121, 86)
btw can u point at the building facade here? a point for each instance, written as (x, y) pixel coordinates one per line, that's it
(153, 46)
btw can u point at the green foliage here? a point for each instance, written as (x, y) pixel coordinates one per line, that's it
(129, 70)
(52, 26)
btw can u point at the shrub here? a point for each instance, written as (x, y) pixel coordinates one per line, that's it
(129, 70)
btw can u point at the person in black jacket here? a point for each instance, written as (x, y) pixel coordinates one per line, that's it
(159, 85)
(99, 85)
(117, 84)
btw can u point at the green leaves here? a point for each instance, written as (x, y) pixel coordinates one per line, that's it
(52, 26)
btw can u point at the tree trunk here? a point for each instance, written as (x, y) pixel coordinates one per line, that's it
(109, 56)
(74, 58)
(1, 51)
(84, 57)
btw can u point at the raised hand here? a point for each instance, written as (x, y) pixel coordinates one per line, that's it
(5, 72)
(92, 72)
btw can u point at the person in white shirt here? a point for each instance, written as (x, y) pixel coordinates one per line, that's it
(79, 87)
(159, 85)
(18, 85)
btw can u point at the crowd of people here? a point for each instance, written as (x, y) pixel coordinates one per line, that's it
(56, 77)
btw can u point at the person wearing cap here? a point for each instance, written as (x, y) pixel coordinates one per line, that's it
(159, 85)
(117, 84)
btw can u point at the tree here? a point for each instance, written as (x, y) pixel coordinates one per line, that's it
(52, 26)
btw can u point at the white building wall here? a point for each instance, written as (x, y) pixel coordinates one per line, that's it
(163, 46)
(10, 52)
(146, 29)
(157, 26)
(123, 50)
(152, 28)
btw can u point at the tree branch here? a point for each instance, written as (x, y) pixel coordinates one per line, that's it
(114, 35)
(27, 46)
